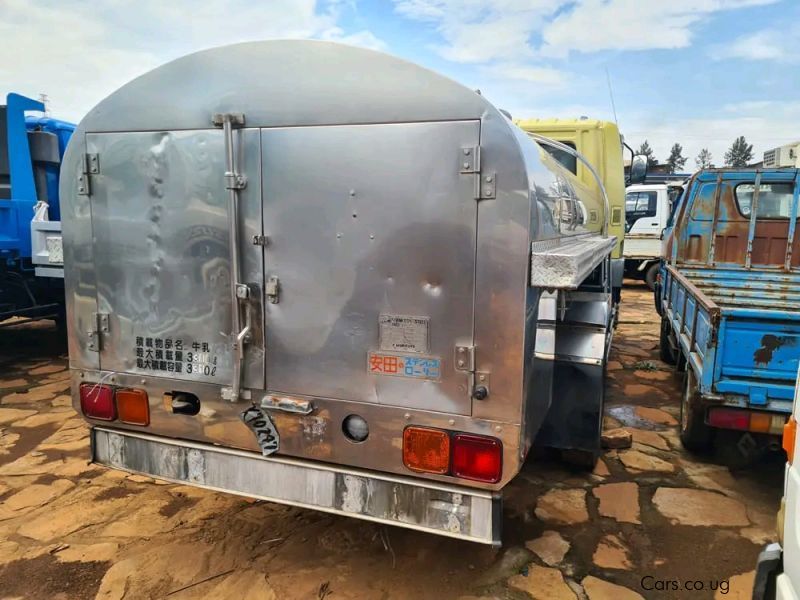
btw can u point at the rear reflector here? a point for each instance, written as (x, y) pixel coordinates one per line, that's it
(97, 401)
(746, 420)
(426, 450)
(133, 407)
(789, 437)
(477, 457)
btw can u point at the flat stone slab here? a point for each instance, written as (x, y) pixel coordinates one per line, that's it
(638, 462)
(543, 583)
(12, 415)
(649, 438)
(701, 508)
(619, 501)
(655, 415)
(550, 547)
(599, 589)
(611, 553)
(566, 507)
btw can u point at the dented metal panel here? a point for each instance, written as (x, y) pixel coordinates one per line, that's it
(731, 289)
(452, 511)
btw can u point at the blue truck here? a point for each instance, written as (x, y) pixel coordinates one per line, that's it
(31, 262)
(729, 300)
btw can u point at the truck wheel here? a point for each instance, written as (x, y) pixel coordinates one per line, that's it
(695, 435)
(665, 350)
(651, 274)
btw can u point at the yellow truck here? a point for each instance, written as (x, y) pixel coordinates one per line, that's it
(601, 144)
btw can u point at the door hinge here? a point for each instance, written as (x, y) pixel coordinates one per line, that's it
(478, 380)
(465, 358)
(470, 164)
(95, 333)
(90, 166)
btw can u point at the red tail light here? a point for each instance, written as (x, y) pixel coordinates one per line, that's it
(477, 457)
(97, 401)
(746, 420)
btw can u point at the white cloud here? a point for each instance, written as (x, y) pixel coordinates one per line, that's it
(767, 44)
(78, 52)
(545, 76)
(364, 39)
(482, 31)
(594, 25)
(476, 31)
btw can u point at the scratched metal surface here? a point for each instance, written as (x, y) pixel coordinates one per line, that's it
(153, 138)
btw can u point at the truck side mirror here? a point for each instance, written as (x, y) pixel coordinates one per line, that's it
(638, 171)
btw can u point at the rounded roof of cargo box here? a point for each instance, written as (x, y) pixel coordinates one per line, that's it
(285, 83)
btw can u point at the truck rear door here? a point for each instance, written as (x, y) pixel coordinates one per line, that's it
(160, 227)
(371, 250)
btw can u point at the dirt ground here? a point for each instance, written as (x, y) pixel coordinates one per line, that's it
(651, 521)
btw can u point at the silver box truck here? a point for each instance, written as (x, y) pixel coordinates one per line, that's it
(311, 273)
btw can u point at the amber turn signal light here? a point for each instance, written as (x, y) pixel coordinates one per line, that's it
(789, 437)
(133, 406)
(426, 450)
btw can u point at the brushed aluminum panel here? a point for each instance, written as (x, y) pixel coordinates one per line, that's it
(159, 211)
(365, 221)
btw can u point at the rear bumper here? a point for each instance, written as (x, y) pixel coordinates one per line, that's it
(768, 567)
(453, 511)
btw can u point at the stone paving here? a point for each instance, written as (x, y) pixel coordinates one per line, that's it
(649, 515)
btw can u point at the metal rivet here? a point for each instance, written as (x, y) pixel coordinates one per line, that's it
(352, 192)
(466, 165)
(81, 189)
(143, 381)
(498, 429)
(460, 363)
(461, 350)
(482, 377)
(407, 416)
(83, 375)
(466, 151)
(338, 235)
(372, 236)
(488, 191)
(452, 421)
(488, 179)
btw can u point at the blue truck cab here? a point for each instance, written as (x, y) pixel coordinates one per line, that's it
(729, 299)
(31, 262)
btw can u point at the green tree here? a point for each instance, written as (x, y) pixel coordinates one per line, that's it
(739, 154)
(646, 150)
(703, 160)
(676, 159)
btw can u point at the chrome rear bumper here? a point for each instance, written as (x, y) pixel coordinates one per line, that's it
(453, 511)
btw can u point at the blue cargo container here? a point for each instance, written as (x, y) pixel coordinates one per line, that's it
(729, 298)
(31, 269)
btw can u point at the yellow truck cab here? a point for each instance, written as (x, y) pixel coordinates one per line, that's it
(601, 144)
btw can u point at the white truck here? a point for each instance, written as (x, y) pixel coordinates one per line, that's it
(648, 207)
(778, 568)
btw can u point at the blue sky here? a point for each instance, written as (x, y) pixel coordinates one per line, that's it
(697, 72)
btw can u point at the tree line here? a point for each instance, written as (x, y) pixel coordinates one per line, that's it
(738, 155)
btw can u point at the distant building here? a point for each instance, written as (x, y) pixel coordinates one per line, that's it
(783, 156)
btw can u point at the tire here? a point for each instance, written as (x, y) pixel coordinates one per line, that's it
(651, 274)
(695, 435)
(665, 350)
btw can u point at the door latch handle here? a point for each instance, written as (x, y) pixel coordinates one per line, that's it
(272, 289)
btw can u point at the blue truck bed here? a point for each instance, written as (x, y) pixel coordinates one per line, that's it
(729, 298)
